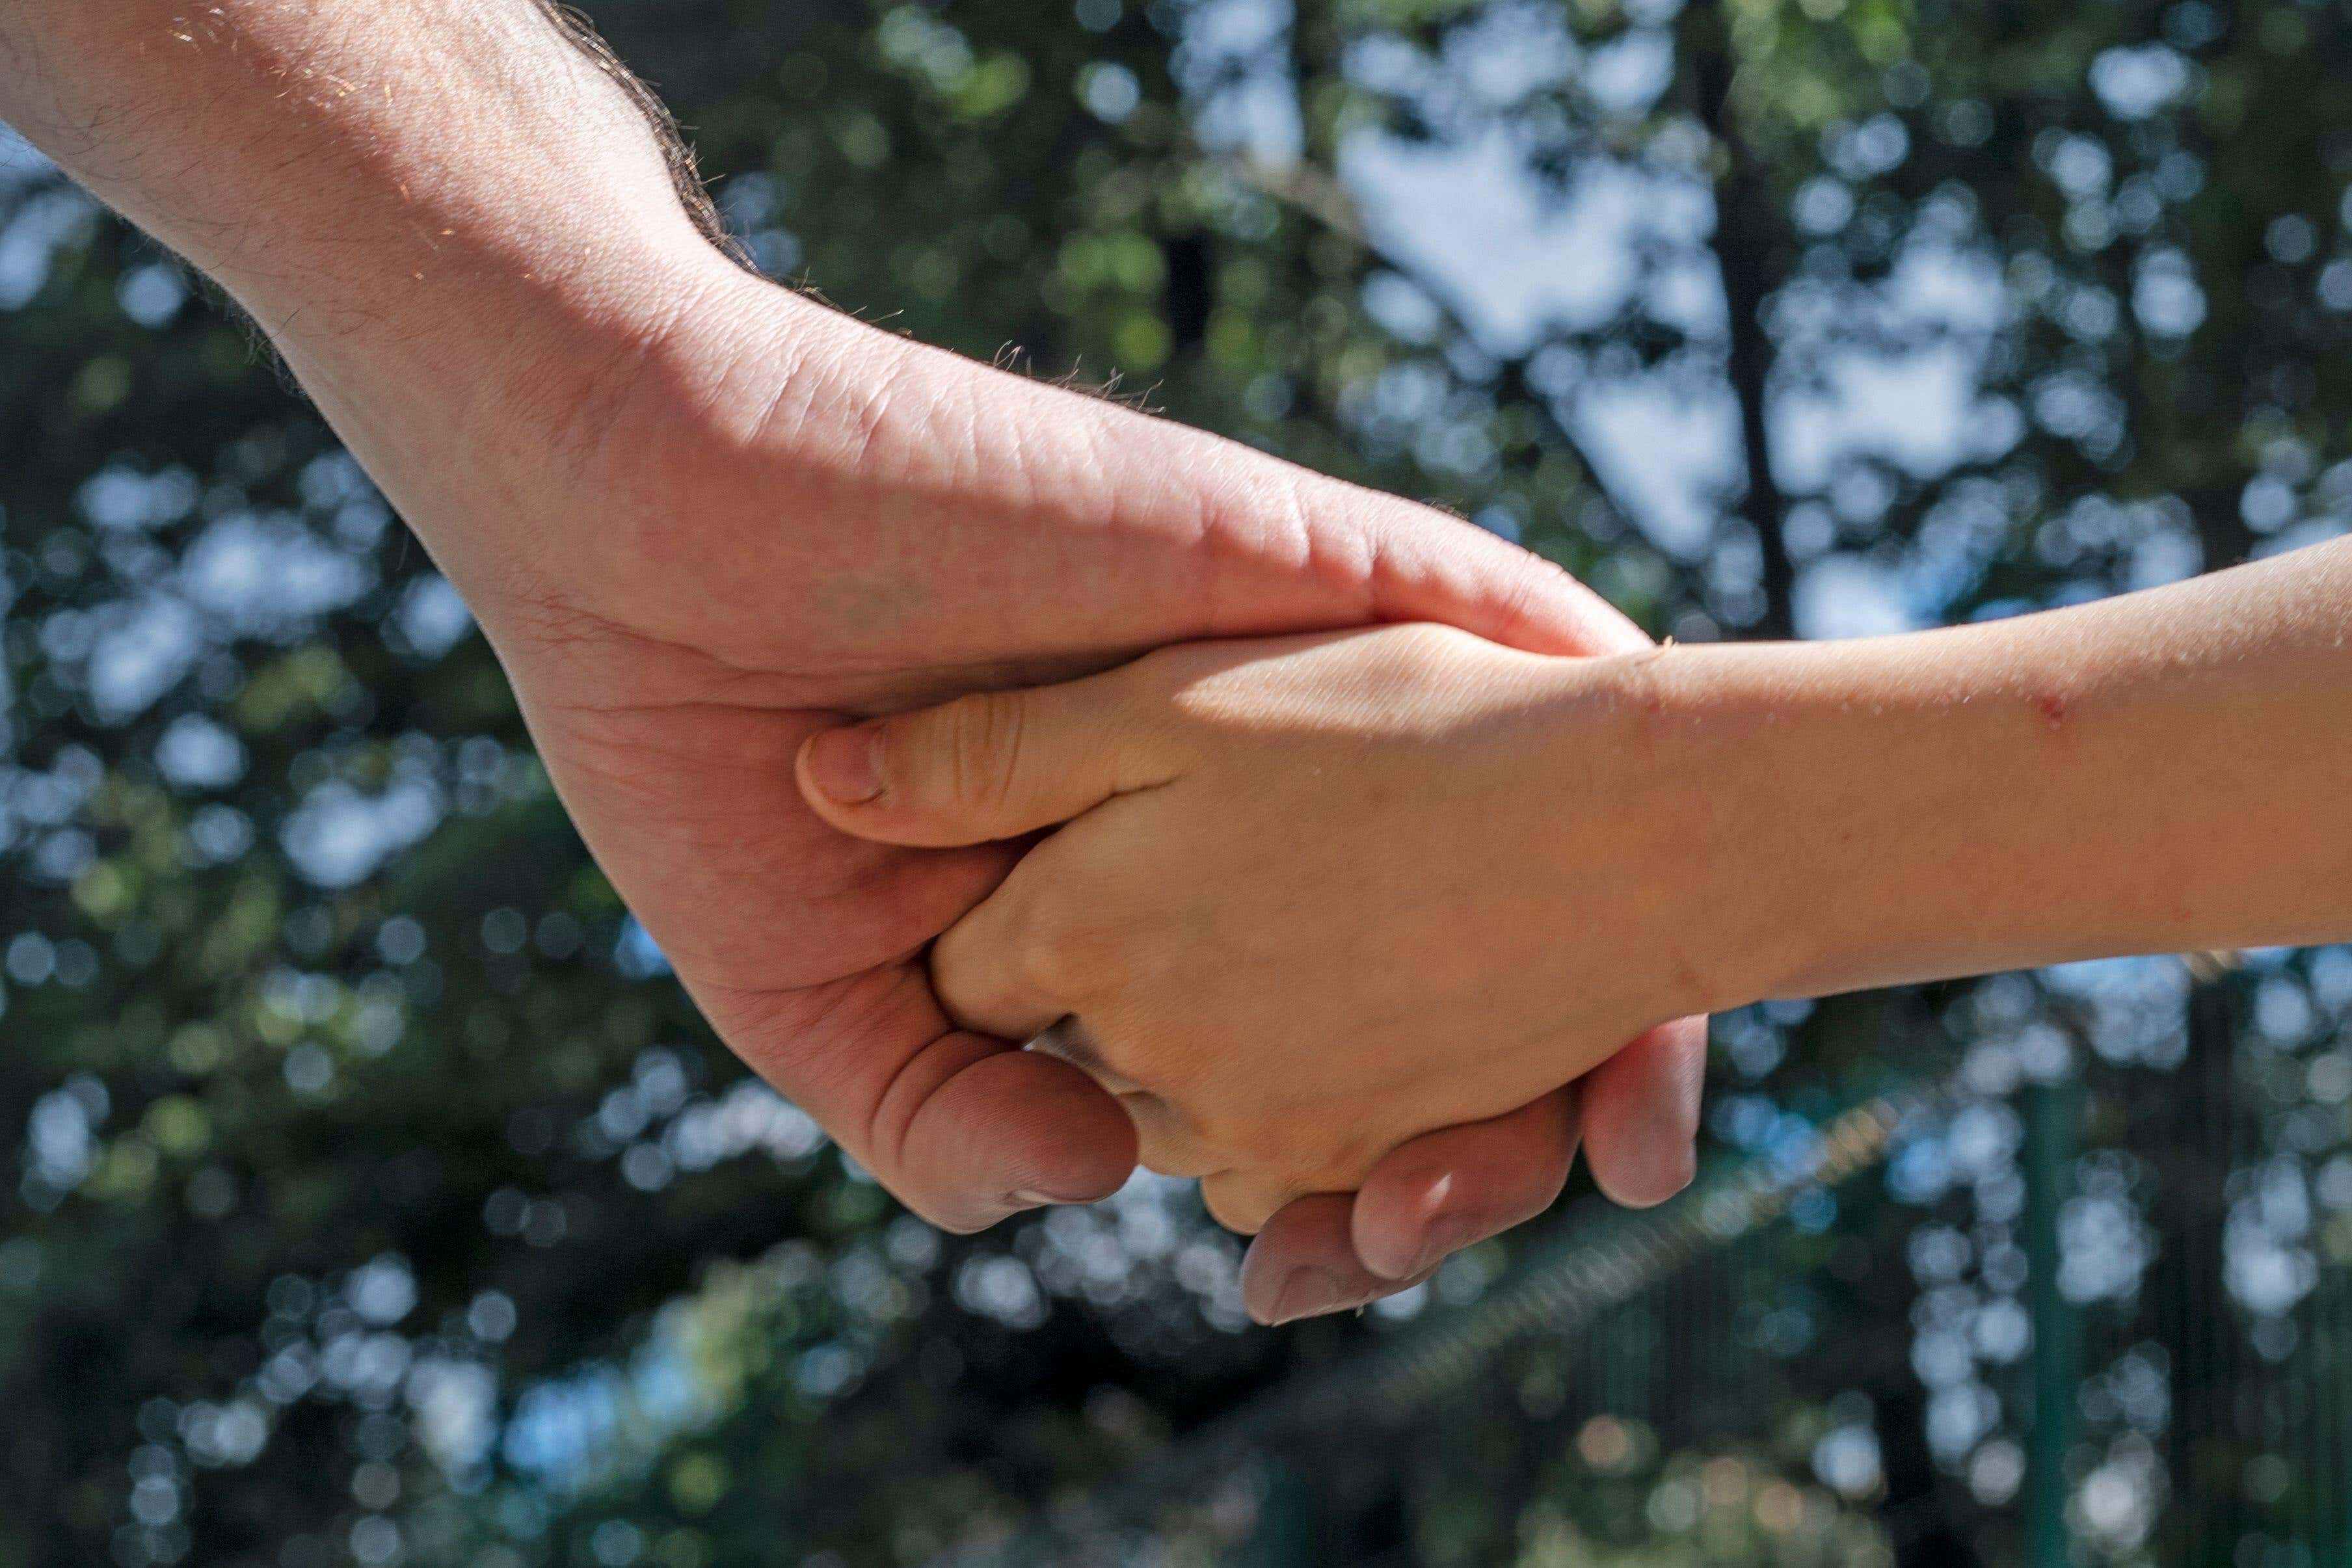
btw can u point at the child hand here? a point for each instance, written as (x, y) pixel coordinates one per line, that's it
(1315, 895)
(1321, 895)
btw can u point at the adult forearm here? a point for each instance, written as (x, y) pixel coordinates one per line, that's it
(453, 220)
(365, 163)
(2160, 772)
(444, 192)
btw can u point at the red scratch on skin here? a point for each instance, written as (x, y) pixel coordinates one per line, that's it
(2053, 710)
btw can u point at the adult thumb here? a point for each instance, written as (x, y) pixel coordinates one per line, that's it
(994, 764)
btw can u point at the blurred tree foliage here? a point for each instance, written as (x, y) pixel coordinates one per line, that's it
(375, 1200)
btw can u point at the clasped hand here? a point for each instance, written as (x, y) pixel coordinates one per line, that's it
(1309, 897)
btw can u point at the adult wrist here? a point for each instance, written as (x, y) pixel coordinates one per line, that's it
(474, 412)
(448, 201)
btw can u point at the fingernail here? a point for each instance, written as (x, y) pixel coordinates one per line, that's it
(1307, 1293)
(1030, 1198)
(846, 765)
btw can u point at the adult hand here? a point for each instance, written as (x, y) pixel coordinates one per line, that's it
(701, 518)
(780, 518)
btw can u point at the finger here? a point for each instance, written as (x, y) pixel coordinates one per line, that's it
(963, 1129)
(1042, 946)
(1640, 1110)
(990, 765)
(1165, 1140)
(995, 971)
(1303, 1264)
(1456, 1186)
(1433, 567)
(1244, 1201)
(1044, 1131)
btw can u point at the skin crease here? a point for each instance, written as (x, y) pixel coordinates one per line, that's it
(1315, 896)
(701, 518)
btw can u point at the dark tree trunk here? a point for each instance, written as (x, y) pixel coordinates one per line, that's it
(1747, 230)
(2185, 1285)
(1188, 294)
(1914, 1513)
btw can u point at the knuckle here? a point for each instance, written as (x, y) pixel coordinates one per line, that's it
(1344, 1160)
(1177, 1068)
(981, 748)
(963, 970)
(1072, 956)
(1274, 1150)
(1243, 1201)
(1154, 1057)
(1165, 1140)
(1336, 1170)
(1238, 1139)
(1034, 951)
(986, 967)
(1042, 952)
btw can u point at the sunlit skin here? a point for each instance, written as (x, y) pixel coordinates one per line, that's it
(1313, 896)
(701, 518)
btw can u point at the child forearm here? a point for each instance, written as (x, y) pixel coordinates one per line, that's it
(1314, 895)
(2163, 771)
